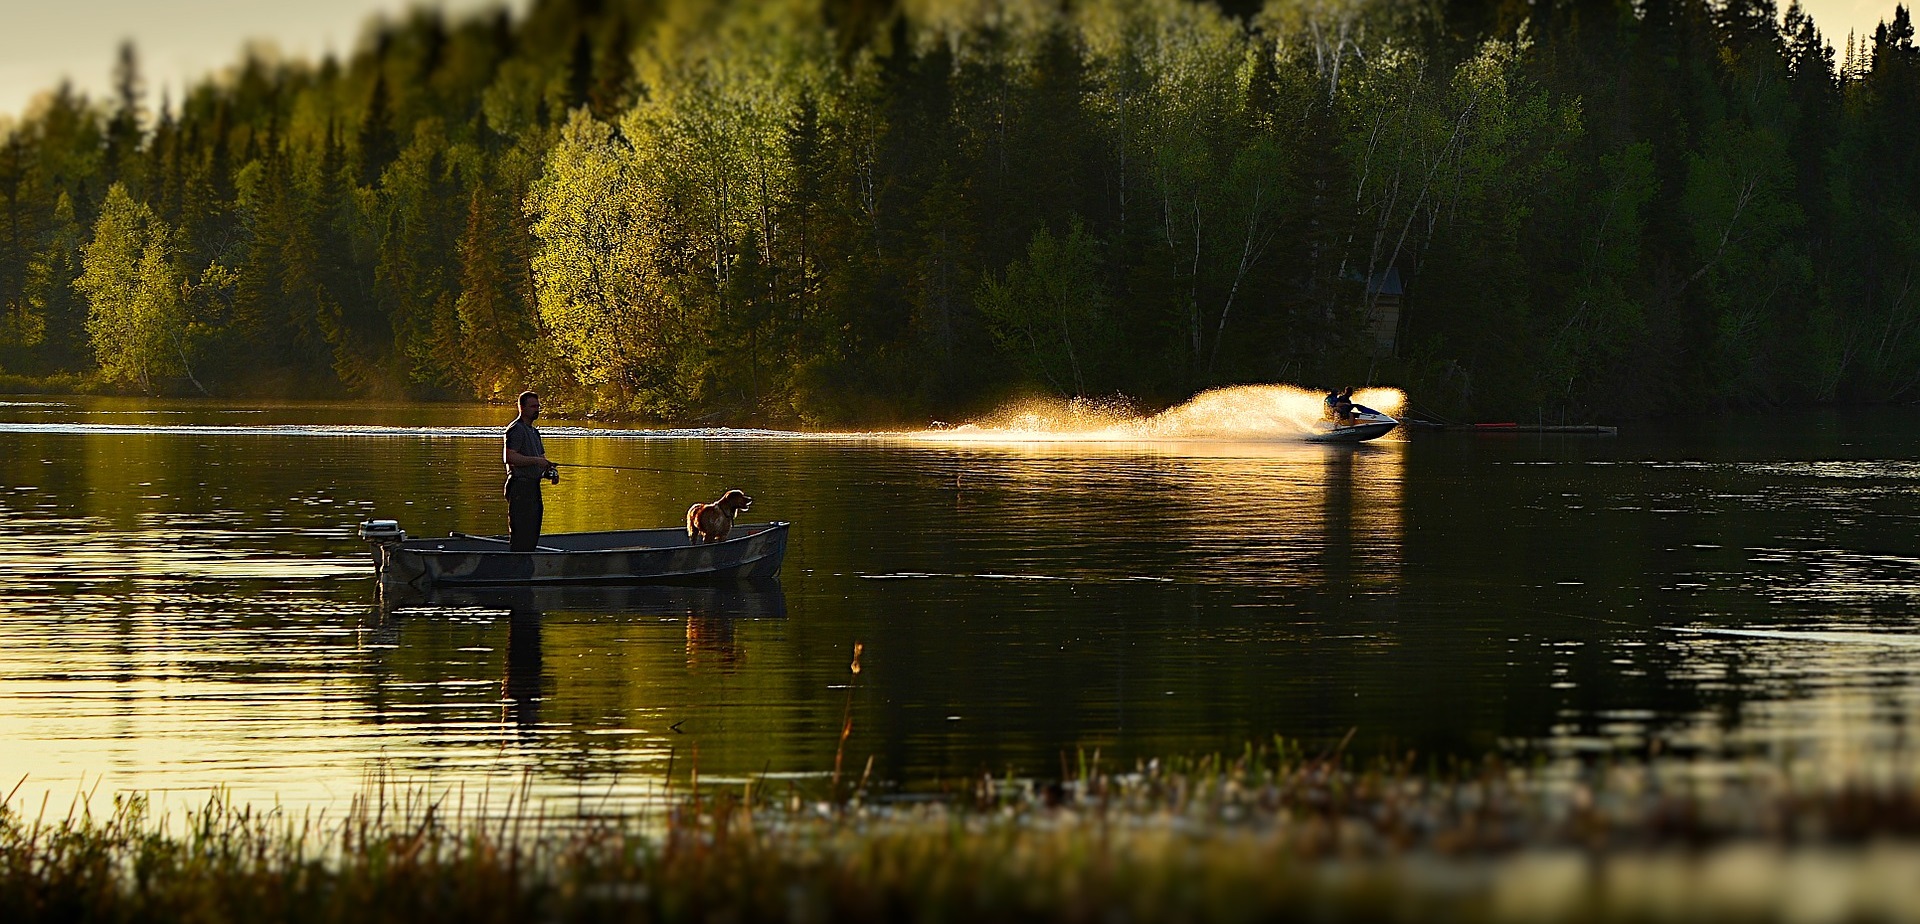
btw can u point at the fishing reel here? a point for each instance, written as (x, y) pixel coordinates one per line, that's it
(552, 474)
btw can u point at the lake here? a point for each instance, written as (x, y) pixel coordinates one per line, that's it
(184, 606)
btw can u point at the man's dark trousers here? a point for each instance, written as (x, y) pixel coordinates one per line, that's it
(523, 512)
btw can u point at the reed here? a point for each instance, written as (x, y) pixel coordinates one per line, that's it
(1270, 833)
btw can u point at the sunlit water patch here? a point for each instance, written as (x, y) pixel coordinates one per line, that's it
(1243, 412)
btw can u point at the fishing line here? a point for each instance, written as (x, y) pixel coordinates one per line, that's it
(1603, 620)
(638, 468)
(706, 474)
(945, 476)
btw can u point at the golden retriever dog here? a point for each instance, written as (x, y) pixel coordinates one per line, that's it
(712, 522)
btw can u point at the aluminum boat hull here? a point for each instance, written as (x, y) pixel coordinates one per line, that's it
(631, 556)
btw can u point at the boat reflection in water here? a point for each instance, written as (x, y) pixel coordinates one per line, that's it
(1362, 520)
(710, 612)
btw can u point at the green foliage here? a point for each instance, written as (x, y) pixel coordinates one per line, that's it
(1743, 228)
(598, 292)
(418, 218)
(134, 313)
(493, 320)
(56, 309)
(778, 212)
(1604, 321)
(1050, 311)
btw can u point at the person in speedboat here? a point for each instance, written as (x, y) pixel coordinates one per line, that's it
(1340, 406)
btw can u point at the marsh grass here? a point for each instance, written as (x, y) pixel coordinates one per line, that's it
(1272, 833)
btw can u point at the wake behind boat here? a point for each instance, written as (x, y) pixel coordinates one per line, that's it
(1362, 424)
(753, 550)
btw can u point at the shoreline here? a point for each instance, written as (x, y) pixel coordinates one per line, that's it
(1268, 834)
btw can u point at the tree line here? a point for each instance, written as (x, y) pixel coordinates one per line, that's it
(862, 211)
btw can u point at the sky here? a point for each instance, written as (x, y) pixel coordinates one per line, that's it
(180, 41)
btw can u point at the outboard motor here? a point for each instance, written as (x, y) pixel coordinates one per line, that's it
(385, 536)
(382, 531)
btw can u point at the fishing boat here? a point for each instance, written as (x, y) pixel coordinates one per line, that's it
(1363, 424)
(751, 550)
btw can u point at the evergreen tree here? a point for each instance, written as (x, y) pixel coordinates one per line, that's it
(127, 125)
(785, 212)
(50, 291)
(377, 145)
(22, 327)
(495, 325)
(1049, 310)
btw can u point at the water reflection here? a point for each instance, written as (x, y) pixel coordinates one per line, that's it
(1364, 518)
(1271, 512)
(711, 616)
(763, 599)
(186, 609)
(526, 681)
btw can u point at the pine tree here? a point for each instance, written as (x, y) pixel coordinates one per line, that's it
(127, 125)
(50, 291)
(377, 145)
(495, 326)
(22, 327)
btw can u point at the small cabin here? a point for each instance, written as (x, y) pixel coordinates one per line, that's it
(1384, 293)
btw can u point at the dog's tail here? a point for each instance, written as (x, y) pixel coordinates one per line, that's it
(693, 522)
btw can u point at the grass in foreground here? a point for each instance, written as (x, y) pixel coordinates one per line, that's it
(1269, 835)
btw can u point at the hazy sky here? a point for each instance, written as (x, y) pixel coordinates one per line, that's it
(42, 41)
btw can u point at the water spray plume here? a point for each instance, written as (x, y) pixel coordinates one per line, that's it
(1238, 412)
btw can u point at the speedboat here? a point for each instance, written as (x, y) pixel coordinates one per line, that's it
(1363, 424)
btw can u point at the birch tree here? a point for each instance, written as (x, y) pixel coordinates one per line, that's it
(134, 319)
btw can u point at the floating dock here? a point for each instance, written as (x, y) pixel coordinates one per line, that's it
(1570, 429)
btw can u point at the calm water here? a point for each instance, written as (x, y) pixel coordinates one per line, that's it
(184, 606)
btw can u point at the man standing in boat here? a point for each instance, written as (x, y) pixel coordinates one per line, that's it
(526, 458)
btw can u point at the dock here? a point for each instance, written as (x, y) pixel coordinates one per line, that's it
(1568, 429)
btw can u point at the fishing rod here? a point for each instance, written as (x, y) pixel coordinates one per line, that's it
(640, 468)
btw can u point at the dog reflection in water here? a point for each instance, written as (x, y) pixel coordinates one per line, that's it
(712, 522)
(710, 641)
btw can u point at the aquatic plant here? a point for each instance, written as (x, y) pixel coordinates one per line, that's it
(1272, 833)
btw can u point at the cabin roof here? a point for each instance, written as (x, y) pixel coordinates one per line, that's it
(1387, 283)
(1382, 283)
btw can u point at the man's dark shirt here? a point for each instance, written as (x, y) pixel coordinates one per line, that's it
(525, 440)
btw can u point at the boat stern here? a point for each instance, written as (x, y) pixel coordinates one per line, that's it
(386, 539)
(1365, 424)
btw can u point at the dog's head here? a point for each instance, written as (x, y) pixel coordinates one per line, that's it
(734, 501)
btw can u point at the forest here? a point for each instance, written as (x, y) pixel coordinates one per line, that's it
(859, 212)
